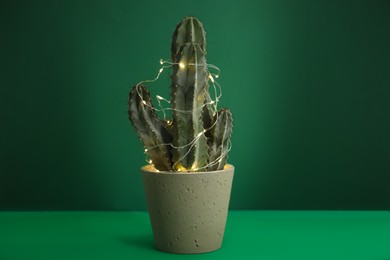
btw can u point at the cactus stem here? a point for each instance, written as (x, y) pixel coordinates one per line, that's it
(198, 135)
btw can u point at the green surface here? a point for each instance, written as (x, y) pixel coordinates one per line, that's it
(307, 82)
(249, 235)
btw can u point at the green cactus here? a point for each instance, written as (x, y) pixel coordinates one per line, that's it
(220, 138)
(152, 131)
(195, 139)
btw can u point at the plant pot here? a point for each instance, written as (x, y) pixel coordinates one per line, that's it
(188, 210)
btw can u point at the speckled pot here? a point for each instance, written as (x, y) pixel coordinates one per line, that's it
(188, 211)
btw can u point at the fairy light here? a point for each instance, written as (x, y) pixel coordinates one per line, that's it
(219, 159)
(191, 144)
(162, 62)
(213, 103)
(216, 87)
(162, 98)
(159, 98)
(194, 166)
(181, 168)
(211, 77)
(215, 68)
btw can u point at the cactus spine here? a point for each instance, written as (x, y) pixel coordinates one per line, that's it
(197, 140)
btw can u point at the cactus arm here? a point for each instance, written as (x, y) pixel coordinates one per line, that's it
(153, 132)
(221, 133)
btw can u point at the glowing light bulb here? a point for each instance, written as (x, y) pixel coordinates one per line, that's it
(180, 168)
(146, 150)
(161, 70)
(217, 76)
(161, 61)
(150, 161)
(200, 134)
(194, 167)
(144, 102)
(181, 65)
(211, 77)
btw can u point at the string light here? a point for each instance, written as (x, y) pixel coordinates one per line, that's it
(213, 103)
(180, 168)
(194, 166)
(219, 158)
(217, 88)
(211, 77)
(159, 98)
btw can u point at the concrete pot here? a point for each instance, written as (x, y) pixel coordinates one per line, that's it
(188, 210)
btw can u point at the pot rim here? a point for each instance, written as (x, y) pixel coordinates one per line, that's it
(150, 169)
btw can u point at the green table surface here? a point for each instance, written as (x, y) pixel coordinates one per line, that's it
(249, 235)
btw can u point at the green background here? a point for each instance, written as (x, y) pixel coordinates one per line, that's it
(308, 83)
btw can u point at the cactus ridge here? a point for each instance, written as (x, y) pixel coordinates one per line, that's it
(197, 138)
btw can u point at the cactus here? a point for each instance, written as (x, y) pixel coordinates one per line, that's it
(196, 139)
(152, 131)
(220, 138)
